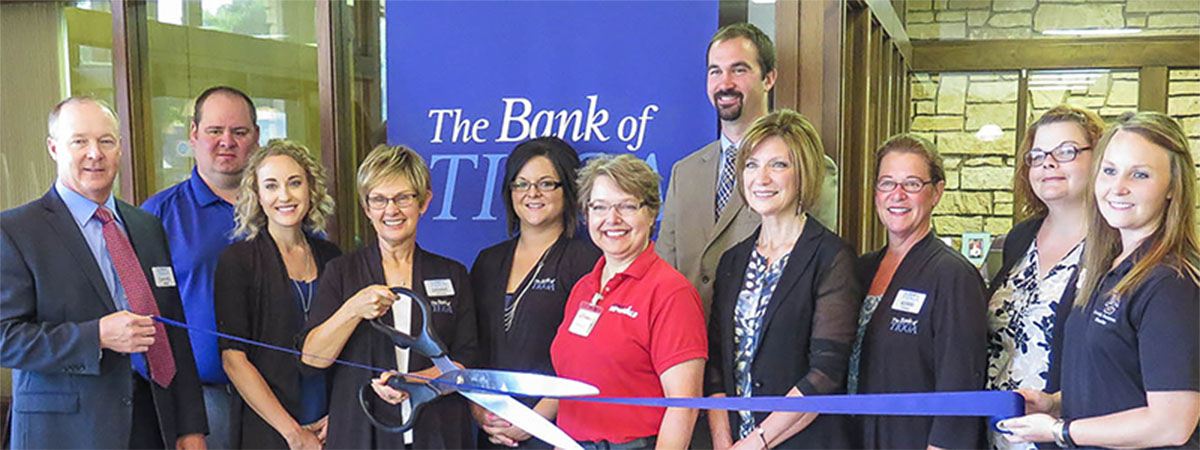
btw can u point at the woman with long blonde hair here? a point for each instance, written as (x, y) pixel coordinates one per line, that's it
(1131, 356)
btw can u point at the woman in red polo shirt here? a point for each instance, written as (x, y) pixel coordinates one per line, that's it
(634, 326)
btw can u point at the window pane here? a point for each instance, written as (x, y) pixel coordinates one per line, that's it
(972, 117)
(1183, 103)
(266, 48)
(1109, 93)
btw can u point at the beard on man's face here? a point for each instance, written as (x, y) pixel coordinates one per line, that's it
(731, 112)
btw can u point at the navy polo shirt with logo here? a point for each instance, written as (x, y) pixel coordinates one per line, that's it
(1118, 348)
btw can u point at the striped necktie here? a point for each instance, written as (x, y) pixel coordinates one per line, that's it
(138, 294)
(725, 183)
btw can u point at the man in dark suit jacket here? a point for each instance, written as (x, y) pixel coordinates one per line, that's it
(64, 324)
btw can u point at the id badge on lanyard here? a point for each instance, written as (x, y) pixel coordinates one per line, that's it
(586, 317)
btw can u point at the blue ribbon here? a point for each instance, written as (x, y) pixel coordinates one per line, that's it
(996, 405)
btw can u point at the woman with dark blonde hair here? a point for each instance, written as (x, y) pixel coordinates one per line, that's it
(1031, 294)
(263, 290)
(394, 190)
(1131, 353)
(922, 327)
(786, 298)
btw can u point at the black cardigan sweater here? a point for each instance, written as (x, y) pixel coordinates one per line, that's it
(254, 299)
(443, 423)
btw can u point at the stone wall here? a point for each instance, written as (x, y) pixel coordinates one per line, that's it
(1183, 103)
(950, 109)
(1025, 19)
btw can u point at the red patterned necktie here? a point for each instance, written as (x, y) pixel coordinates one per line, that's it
(140, 297)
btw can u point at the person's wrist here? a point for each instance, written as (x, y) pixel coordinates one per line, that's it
(762, 436)
(1066, 433)
(1056, 431)
(293, 432)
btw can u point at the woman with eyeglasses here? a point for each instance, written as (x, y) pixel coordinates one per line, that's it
(786, 298)
(1031, 294)
(633, 326)
(923, 323)
(521, 285)
(394, 189)
(1131, 352)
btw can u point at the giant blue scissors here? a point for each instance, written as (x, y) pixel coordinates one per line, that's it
(482, 386)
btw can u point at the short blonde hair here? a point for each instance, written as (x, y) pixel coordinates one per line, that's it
(631, 174)
(389, 162)
(804, 149)
(248, 214)
(1092, 126)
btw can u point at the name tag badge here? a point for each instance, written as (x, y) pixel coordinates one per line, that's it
(163, 276)
(441, 287)
(909, 301)
(585, 319)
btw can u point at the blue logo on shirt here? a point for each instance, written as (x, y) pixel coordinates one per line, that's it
(904, 325)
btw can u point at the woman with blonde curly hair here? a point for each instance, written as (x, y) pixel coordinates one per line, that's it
(1131, 353)
(263, 290)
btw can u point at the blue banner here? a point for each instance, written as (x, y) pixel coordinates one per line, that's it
(468, 81)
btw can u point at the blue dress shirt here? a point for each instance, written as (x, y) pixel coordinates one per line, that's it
(199, 226)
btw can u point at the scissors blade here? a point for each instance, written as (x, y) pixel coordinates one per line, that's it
(520, 383)
(524, 418)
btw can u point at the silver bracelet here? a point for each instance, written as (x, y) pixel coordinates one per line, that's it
(1056, 431)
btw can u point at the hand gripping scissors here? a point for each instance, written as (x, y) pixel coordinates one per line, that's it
(490, 382)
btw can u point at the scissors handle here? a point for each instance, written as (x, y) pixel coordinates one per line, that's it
(418, 395)
(425, 342)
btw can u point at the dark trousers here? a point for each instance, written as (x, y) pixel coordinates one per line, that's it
(144, 433)
(636, 444)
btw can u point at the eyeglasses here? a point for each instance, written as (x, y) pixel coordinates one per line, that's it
(911, 185)
(625, 209)
(542, 186)
(1064, 153)
(378, 202)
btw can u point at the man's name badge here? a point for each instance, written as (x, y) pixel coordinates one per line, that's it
(441, 287)
(163, 276)
(585, 319)
(909, 301)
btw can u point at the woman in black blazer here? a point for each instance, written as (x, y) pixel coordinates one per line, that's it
(394, 189)
(263, 291)
(922, 327)
(786, 300)
(521, 285)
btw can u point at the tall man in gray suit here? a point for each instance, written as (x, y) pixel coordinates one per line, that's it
(81, 272)
(703, 215)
